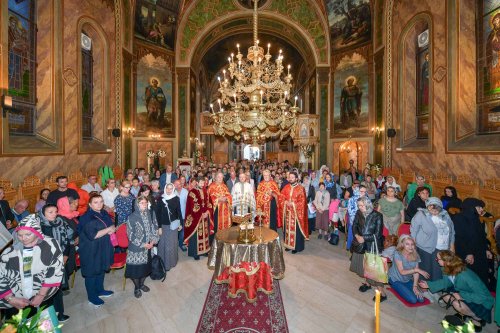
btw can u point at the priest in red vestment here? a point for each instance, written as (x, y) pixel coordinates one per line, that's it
(267, 197)
(221, 201)
(196, 227)
(294, 212)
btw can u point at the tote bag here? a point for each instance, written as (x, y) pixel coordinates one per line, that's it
(375, 266)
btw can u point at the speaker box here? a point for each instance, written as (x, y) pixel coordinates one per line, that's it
(391, 132)
(116, 132)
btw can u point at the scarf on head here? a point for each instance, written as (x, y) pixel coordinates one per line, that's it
(30, 223)
(165, 196)
(64, 208)
(61, 232)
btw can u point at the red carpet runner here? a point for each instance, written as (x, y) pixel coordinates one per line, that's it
(222, 314)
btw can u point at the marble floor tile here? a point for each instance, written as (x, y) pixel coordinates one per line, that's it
(320, 295)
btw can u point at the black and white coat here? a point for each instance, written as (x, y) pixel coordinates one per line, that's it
(46, 268)
(142, 228)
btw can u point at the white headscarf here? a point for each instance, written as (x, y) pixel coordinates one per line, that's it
(166, 196)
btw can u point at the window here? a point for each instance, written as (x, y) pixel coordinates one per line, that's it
(422, 63)
(488, 67)
(22, 66)
(87, 87)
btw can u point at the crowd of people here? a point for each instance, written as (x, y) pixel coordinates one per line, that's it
(444, 257)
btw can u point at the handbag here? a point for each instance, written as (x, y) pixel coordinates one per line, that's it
(374, 266)
(334, 237)
(112, 237)
(174, 225)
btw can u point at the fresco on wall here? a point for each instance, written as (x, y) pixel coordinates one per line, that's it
(155, 23)
(350, 22)
(350, 115)
(489, 61)
(154, 95)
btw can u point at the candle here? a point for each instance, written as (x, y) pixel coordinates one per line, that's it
(377, 311)
(295, 104)
(268, 47)
(212, 107)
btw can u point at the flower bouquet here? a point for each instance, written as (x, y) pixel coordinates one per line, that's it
(44, 321)
(161, 153)
(150, 154)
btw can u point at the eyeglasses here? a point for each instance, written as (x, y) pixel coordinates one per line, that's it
(127, 187)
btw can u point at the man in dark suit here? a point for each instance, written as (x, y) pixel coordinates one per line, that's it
(6, 216)
(231, 181)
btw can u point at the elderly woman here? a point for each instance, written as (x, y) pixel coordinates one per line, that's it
(56, 227)
(367, 229)
(96, 250)
(469, 296)
(142, 232)
(433, 231)
(390, 181)
(322, 204)
(393, 211)
(404, 273)
(169, 216)
(31, 269)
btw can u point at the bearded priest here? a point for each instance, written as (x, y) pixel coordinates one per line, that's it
(294, 209)
(198, 217)
(267, 197)
(221, 202)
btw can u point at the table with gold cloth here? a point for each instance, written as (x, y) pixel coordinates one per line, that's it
(247, 268)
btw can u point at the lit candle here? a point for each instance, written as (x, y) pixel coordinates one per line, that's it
(377, 311)
(295, 101)
(238, 46)
(289, 66)
(234, 98)
(212, 107)
(268, 48)
(220, 106)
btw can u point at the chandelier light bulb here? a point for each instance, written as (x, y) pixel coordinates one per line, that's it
(268, 47)
(295, 104)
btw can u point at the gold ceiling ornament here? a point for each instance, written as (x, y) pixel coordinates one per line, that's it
(255, 96)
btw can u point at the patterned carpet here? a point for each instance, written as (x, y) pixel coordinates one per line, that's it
(222, 314)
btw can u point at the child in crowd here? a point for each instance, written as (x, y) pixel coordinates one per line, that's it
(136, 187)
(390, 243)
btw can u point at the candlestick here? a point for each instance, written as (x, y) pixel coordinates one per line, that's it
(377, 311)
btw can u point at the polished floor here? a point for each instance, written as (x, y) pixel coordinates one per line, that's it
(319, 293)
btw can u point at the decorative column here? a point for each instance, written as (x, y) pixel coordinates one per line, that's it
(323, 78)
(183, 107)
(306, 137)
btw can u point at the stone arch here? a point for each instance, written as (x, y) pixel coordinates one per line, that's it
(205, 17)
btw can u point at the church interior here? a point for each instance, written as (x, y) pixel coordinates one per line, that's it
(396, 87)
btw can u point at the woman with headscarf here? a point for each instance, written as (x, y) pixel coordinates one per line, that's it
(169, 216)
(450, 198)
(31, 269)
(367, 229)
(56, 227)
(96, 250)
(471, 243)
(142, 232)
(418, 201)
(390, 181)
(433, 231)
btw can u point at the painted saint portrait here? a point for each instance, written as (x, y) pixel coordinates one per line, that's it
(351, 96)
(350, 22)
(489, 64)
(155, 23)
(154, 95)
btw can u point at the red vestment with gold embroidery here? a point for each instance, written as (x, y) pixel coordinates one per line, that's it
(294, 216)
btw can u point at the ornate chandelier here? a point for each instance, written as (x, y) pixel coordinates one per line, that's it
(255, 95)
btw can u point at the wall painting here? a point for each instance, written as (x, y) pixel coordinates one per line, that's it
(350, 110)
(155, 23)
(350, 22)
(154, 95)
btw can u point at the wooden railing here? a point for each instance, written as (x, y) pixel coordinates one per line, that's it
(31, 186)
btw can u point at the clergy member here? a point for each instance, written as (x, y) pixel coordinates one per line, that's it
(267, 199)
(197, 232)
(221, 201)
(294, 214)
(243, 197)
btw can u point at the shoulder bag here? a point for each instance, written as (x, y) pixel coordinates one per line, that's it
(375, 266)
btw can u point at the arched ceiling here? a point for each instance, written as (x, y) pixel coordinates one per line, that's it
(200, 18)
